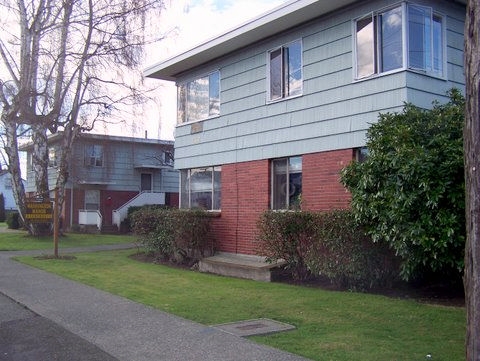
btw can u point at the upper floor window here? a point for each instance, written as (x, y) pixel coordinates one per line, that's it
(286, 183)
(199, 99)
(384, 39)
(94, 155)
(285, 71)
(201, 188)
(52, 157)
(8, 183)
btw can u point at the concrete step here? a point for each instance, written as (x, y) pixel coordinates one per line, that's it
(109, 229)
(239, 265)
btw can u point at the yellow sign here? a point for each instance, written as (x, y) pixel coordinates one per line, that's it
(39, 212)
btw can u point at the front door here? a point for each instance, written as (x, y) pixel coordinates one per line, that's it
(146, 182)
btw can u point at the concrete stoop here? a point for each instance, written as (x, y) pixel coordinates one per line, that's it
(240, 266)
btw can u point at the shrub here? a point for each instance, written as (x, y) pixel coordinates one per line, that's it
(286, 236)
(155, 231)
(191, 234)
(343, 252)
(2, 208)
(410, 190)
(173, 234)
(329, 244)
(13, 220)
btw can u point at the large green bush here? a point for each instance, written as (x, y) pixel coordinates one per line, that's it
(329, 244)
(410, 190)
(173, 234)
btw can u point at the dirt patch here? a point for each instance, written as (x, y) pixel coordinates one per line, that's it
(438, 294)
(51, 256)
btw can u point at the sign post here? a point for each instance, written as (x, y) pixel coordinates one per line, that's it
(55, 224)
(39, 210)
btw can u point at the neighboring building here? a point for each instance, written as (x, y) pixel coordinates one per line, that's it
(7, 191)
(271, 111)
(108, 174)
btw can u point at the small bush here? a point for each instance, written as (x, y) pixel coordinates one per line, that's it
(2, 208)
(173, 234)
(327, 244)
(155, 231)
(287, 236)
(13, 220)
(191, 234)
(343, 252)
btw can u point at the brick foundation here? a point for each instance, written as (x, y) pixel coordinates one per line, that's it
(246, 194)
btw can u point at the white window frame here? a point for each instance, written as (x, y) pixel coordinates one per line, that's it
(286, 189)
(93, 159)
(284, 94)
(214, 188)
(184, 102)
(52, 157)
(405, 43)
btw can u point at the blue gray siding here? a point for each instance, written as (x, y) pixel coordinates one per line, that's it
(334, 111)
(123, 164)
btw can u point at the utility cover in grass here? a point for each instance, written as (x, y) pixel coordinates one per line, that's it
(260, 326)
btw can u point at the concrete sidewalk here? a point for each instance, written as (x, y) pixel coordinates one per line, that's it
(123, 329)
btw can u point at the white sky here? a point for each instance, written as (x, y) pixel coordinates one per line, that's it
(188, 23)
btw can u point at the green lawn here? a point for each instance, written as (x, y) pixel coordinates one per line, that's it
(330, 325)
(20, 240)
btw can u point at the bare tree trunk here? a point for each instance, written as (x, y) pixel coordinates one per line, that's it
(472, 180)
(40, 160)
(11, 149)
(64, 165)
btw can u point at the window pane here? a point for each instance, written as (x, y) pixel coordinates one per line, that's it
(214, 90)
(184, 188)
(94, 155)
(276, 74)
(279, 184)
(197, 99)
(295, 182)
(201, 188)
(92, 199)
(437, 44)
(365, 47)
(419, 43)
(294, 69)
(182, 100)
(52, 157)
(391, 39)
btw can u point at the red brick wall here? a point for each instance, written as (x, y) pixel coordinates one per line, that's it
(321, 187)
(110, 200)
(172, 199)
(246, 194)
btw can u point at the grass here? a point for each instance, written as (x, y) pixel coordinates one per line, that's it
(20, 240)
(330, 325)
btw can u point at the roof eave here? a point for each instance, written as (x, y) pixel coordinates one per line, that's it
(273, 22)
(282, 18)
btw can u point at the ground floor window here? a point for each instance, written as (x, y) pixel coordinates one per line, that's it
(286, 183)
(92, 199)
(201, 188)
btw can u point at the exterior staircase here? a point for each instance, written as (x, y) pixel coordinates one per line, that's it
(239, 265)
(109, 229)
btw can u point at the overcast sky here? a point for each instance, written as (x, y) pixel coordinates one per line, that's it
(189, 23)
